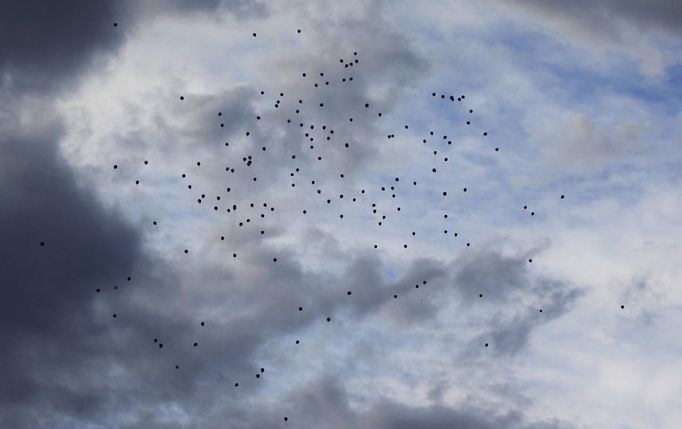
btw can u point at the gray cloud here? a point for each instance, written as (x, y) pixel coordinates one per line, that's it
(239, 8)
(602, 17)
(624, 27)
(587, 143)
(509, 284)
(509, 335)
(327, 400)
(490, 273)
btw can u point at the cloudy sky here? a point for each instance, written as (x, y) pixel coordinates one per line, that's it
(522, 268)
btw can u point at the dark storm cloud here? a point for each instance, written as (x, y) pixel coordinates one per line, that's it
(44, 43)
(43, 203)
(327, 400)
(47, 290)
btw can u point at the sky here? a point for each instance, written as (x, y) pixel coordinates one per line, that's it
(491, 242)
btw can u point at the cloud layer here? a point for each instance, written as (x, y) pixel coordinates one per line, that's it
(478, 230)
